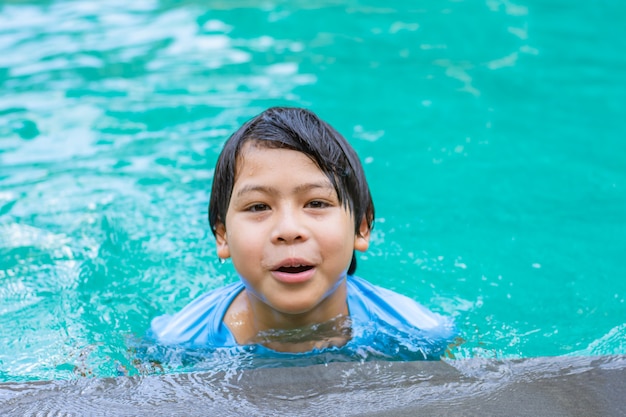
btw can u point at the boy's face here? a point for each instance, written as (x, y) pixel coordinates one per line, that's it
(289, 238)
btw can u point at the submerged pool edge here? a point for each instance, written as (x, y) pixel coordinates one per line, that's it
(555, 386)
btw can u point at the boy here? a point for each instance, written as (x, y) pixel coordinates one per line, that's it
(290, 206)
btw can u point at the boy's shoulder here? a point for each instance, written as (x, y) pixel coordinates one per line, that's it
(368, 302)
(200, 321)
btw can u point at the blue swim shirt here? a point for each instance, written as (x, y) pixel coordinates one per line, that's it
(384, 324)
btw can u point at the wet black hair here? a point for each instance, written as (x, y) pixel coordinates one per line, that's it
(300, 130)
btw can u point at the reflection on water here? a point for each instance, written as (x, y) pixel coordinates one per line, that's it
(333, 333)
(555, 387)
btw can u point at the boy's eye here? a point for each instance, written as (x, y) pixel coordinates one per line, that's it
(317, 204)
(258, 207)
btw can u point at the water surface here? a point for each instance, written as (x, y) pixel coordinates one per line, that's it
(492, 134)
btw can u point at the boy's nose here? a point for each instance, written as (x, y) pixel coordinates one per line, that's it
(288, 228)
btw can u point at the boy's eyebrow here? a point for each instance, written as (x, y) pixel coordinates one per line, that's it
(271, 190)
(313, 185)
(255, 188)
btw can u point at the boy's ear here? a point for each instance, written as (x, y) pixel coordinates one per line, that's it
(362, 238)
(222, 242)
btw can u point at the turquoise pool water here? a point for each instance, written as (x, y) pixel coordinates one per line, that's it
(492, 133)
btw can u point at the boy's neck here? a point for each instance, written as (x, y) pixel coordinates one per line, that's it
(336, 332)
(327, 325)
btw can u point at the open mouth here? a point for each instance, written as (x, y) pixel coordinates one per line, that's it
(294, 269)
(294, 272)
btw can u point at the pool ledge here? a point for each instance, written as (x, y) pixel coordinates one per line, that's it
(546, 386)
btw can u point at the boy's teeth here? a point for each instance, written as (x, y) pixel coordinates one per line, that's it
(294, 268)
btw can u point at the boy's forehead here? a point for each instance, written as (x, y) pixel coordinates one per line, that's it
(255, 149)
(262, 163)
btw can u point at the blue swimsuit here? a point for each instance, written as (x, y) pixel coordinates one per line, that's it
(382, 321)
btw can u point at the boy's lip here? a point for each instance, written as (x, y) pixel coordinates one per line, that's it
(293, 271)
